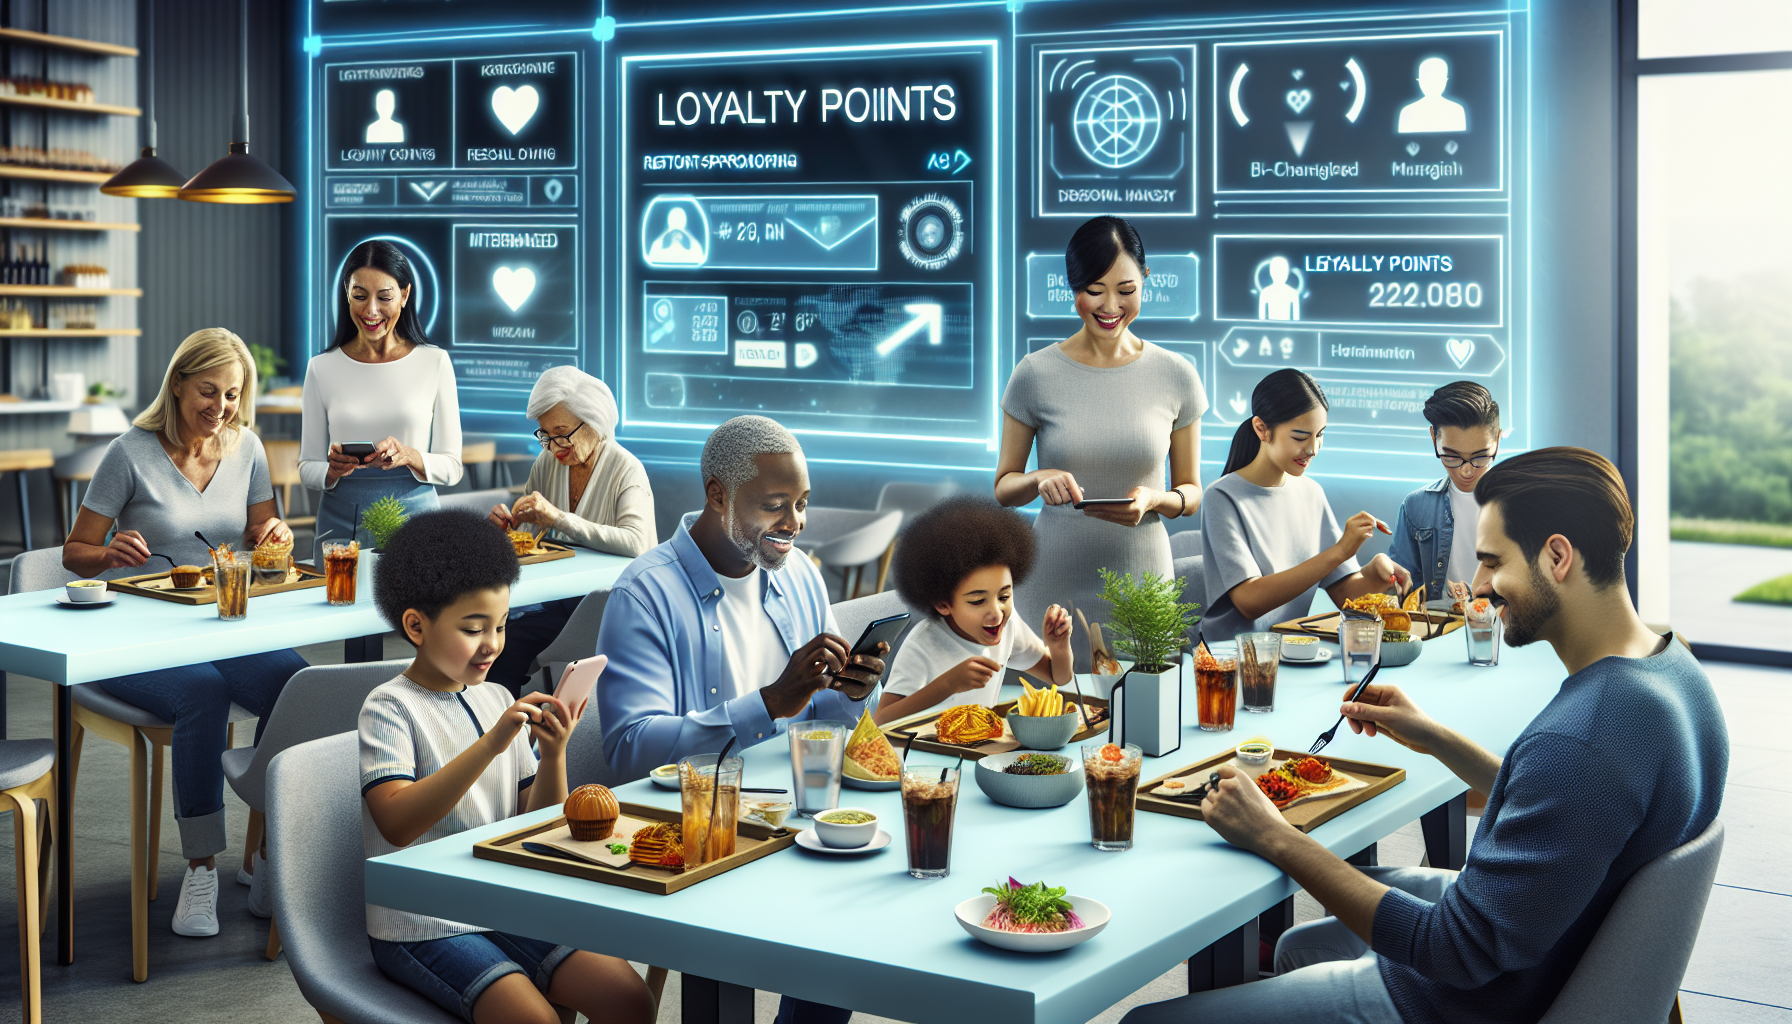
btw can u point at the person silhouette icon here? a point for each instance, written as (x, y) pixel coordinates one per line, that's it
(1278, 300)
(1431, 112)
(676, 246)
(384, 129)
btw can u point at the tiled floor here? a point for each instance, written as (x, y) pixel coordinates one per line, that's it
(1738, 971)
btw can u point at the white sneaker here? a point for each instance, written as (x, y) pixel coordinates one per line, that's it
(196, 913)
(261, 902)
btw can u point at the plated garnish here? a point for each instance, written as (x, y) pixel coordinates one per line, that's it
(1038, 764)
(1030, 909)
(1300, 777)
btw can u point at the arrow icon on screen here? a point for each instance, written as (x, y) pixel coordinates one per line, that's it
(926, 317)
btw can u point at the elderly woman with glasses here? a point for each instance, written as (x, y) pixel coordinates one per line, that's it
(584, 488)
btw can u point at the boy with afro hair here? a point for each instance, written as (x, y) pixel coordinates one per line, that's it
(442, 753)
(961, 559)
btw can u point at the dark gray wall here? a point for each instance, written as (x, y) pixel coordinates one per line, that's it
(206, 264)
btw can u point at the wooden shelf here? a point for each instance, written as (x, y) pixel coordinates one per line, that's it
(52, 174)
(19, 35)
(52, 224)
(70, 105)
(97, 332)
(62, 291)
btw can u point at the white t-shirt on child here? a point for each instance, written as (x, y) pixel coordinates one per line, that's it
(409, 731)
(932, 647)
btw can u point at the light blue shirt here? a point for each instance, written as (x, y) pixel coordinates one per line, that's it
(666, 693)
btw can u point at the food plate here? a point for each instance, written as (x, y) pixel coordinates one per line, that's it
(667, 781)
(925, 729)
(808, 840)
(62, 599)
(1305, 815)
(1426, 625)
(877, 784)
(1094, 913)
(1324, 655)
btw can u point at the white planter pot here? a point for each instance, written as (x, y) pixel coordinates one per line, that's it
(364, 574)
(1149, 710)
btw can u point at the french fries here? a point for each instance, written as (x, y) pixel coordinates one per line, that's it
(1036, 702)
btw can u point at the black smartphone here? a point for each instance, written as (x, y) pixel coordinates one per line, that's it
(1088, 502)
(359, 449)
(885, 631)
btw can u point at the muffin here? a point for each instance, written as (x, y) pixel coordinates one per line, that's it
(591, 813)
(184, 576)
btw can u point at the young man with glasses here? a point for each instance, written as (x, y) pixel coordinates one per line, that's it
(1435, 532)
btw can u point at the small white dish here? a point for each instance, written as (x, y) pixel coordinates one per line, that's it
(668, 780)
(1324, 655)
(808, 840)
(85, 591)
(845, 835)
(63, 600)
(1094, 913)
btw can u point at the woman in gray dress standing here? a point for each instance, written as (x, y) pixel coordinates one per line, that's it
(1107, 410)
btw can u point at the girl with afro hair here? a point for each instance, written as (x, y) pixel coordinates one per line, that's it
(961, 560)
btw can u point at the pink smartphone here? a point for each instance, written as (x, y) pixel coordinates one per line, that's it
(579, 679)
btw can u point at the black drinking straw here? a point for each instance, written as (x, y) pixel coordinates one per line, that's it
(907, 742)
(716, 796)
(208, 544)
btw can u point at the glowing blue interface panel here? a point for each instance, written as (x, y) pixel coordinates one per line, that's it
(809, 235)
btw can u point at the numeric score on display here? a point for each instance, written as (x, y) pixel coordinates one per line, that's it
(1415, 295)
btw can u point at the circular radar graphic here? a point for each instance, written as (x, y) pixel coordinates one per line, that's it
(932, 231)
(1116, 121)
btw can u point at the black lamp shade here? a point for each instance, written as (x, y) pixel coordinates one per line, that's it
(148, 177)
(238, 178)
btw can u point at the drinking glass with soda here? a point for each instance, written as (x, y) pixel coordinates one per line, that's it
(342, 558)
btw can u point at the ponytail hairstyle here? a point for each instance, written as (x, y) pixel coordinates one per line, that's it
(1282, 396)
(1096, 246)
(389, 259)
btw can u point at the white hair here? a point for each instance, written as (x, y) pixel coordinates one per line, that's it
(583, 395)
(729, 453)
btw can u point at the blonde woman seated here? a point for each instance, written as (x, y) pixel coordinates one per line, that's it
(190, 463)
(584, 488)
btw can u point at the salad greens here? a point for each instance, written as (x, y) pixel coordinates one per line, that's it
(1031, 908)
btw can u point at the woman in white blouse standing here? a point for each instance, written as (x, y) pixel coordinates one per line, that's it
(584, 488)
(380, 381)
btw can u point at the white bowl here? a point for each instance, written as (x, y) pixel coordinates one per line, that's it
(1094, 913)
(665, 776)
(845, 837)
(86, 591)
(1305, 648)
(1029, 790)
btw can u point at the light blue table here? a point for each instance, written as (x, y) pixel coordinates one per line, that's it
(68, 646)
(860, 933)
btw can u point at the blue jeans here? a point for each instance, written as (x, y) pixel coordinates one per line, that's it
(455, 971)
(1324, 972)
(337, 509)
(197, 698)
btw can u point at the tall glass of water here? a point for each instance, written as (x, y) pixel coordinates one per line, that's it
(1483, 627)
(1361, 641)
(817, 750)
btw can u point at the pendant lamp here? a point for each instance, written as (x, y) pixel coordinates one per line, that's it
(149, 176)
(239, 177)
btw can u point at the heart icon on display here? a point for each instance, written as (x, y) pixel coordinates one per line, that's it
(1298, 99)
(1412, 149)
(514, 286)
(1299, 74)
(515, 107)
(1450, 147)
(1461, 351)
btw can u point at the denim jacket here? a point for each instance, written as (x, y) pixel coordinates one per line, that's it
(660, 698)
(1423, 534)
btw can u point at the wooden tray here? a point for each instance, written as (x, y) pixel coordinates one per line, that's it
(899, 731)
(752, 842)
(160, 586)
(1304, 816)
(1426, 625)
(546, 551)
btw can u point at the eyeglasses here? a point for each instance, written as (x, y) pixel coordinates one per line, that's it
(560, 441)
(1456, 461)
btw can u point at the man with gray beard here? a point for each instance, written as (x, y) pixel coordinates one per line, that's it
(717, 633)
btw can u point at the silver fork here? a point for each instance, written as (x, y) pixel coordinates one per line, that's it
(1326, 736)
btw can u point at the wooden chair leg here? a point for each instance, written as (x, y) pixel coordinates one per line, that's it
(1674, 1015)
(45, 847)
(252, 841)
(139, 858)
(273, 952)
(883, 566)
(656, 983)
(155, 817)
(25, 863)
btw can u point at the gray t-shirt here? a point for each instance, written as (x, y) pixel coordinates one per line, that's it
(1249, 531)
(138, 486)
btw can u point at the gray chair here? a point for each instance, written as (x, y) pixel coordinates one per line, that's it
(477, 501)
(849, 539)
(27, 775)
(853, 616)
(577, 639)
(143, 734)
(912, 499)
(1190, 568)
(319, 701)
(1631, 973)
(316, 868)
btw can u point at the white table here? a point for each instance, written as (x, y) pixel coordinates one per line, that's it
(68, 646)
(860, 933)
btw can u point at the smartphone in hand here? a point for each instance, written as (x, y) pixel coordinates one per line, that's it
(1096, 502)
(358, 449)
(884, 631)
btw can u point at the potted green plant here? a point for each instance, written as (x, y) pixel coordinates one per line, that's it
(380, 521)
(1150, 623)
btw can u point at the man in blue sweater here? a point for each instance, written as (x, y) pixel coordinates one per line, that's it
(1497, 941)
